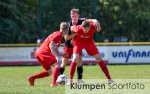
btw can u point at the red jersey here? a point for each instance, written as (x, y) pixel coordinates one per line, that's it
(56, 37)
(84, 37)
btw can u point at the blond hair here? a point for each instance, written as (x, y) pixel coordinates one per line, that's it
(64, 26)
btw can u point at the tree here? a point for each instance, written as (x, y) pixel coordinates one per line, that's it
(125, 18)
(23, 21)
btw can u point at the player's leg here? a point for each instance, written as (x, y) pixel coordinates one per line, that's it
(93, 51)
(46, 64)
(77, 60)
(80, 68)
(65, 60)
(42, 74)
(55, 73)
(76, 50)
(73, 65)
(102, 66)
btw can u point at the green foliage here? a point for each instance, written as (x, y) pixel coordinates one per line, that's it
(15, 23)
(128, 18)
(23, 21)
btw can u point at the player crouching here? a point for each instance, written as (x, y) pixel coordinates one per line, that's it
(48, 55)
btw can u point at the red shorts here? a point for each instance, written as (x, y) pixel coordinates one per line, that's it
(90, 48)
(69, 50)
(46, 59)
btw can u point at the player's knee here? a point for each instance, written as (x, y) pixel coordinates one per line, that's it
(63, 65)
(64, 62)
(49, 71)
(56, 65)
(98, 58)
(79, 64)
(75, 59)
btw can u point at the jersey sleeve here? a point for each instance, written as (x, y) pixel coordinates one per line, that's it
(57, 38)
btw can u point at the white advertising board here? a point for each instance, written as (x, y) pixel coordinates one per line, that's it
(17, 54)
(129, 54)
(111, 54)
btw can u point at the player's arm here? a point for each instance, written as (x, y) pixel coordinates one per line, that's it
(69, 37)
(96, 23)
(54, 49)
(73, 33)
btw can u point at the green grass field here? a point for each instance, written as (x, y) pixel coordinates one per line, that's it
(13, 80)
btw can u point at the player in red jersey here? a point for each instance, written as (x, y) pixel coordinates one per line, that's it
(84, 40)
(48, 55)
(68, 48)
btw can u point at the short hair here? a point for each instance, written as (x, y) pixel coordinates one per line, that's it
(64, 26)
(74, 10)
(85, 24)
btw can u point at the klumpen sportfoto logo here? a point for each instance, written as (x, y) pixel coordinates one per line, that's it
(119, 86)
(109, 86)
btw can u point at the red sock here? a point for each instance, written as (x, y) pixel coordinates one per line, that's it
(40, 75)
(104, 69)
(55, 74)
(72, 70)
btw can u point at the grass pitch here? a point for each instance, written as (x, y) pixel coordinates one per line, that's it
(13, 80)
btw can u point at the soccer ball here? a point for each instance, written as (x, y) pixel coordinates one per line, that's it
(62, 79)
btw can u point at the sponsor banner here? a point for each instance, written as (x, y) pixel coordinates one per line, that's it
(129, 54)
(110, 54)
(102, 86)
(17, 54)
(25, 56)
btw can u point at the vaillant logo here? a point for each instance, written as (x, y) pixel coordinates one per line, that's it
(130, 54)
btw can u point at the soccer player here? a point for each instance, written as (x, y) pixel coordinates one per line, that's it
(84, 40)
(48, 55)
(68, 48)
